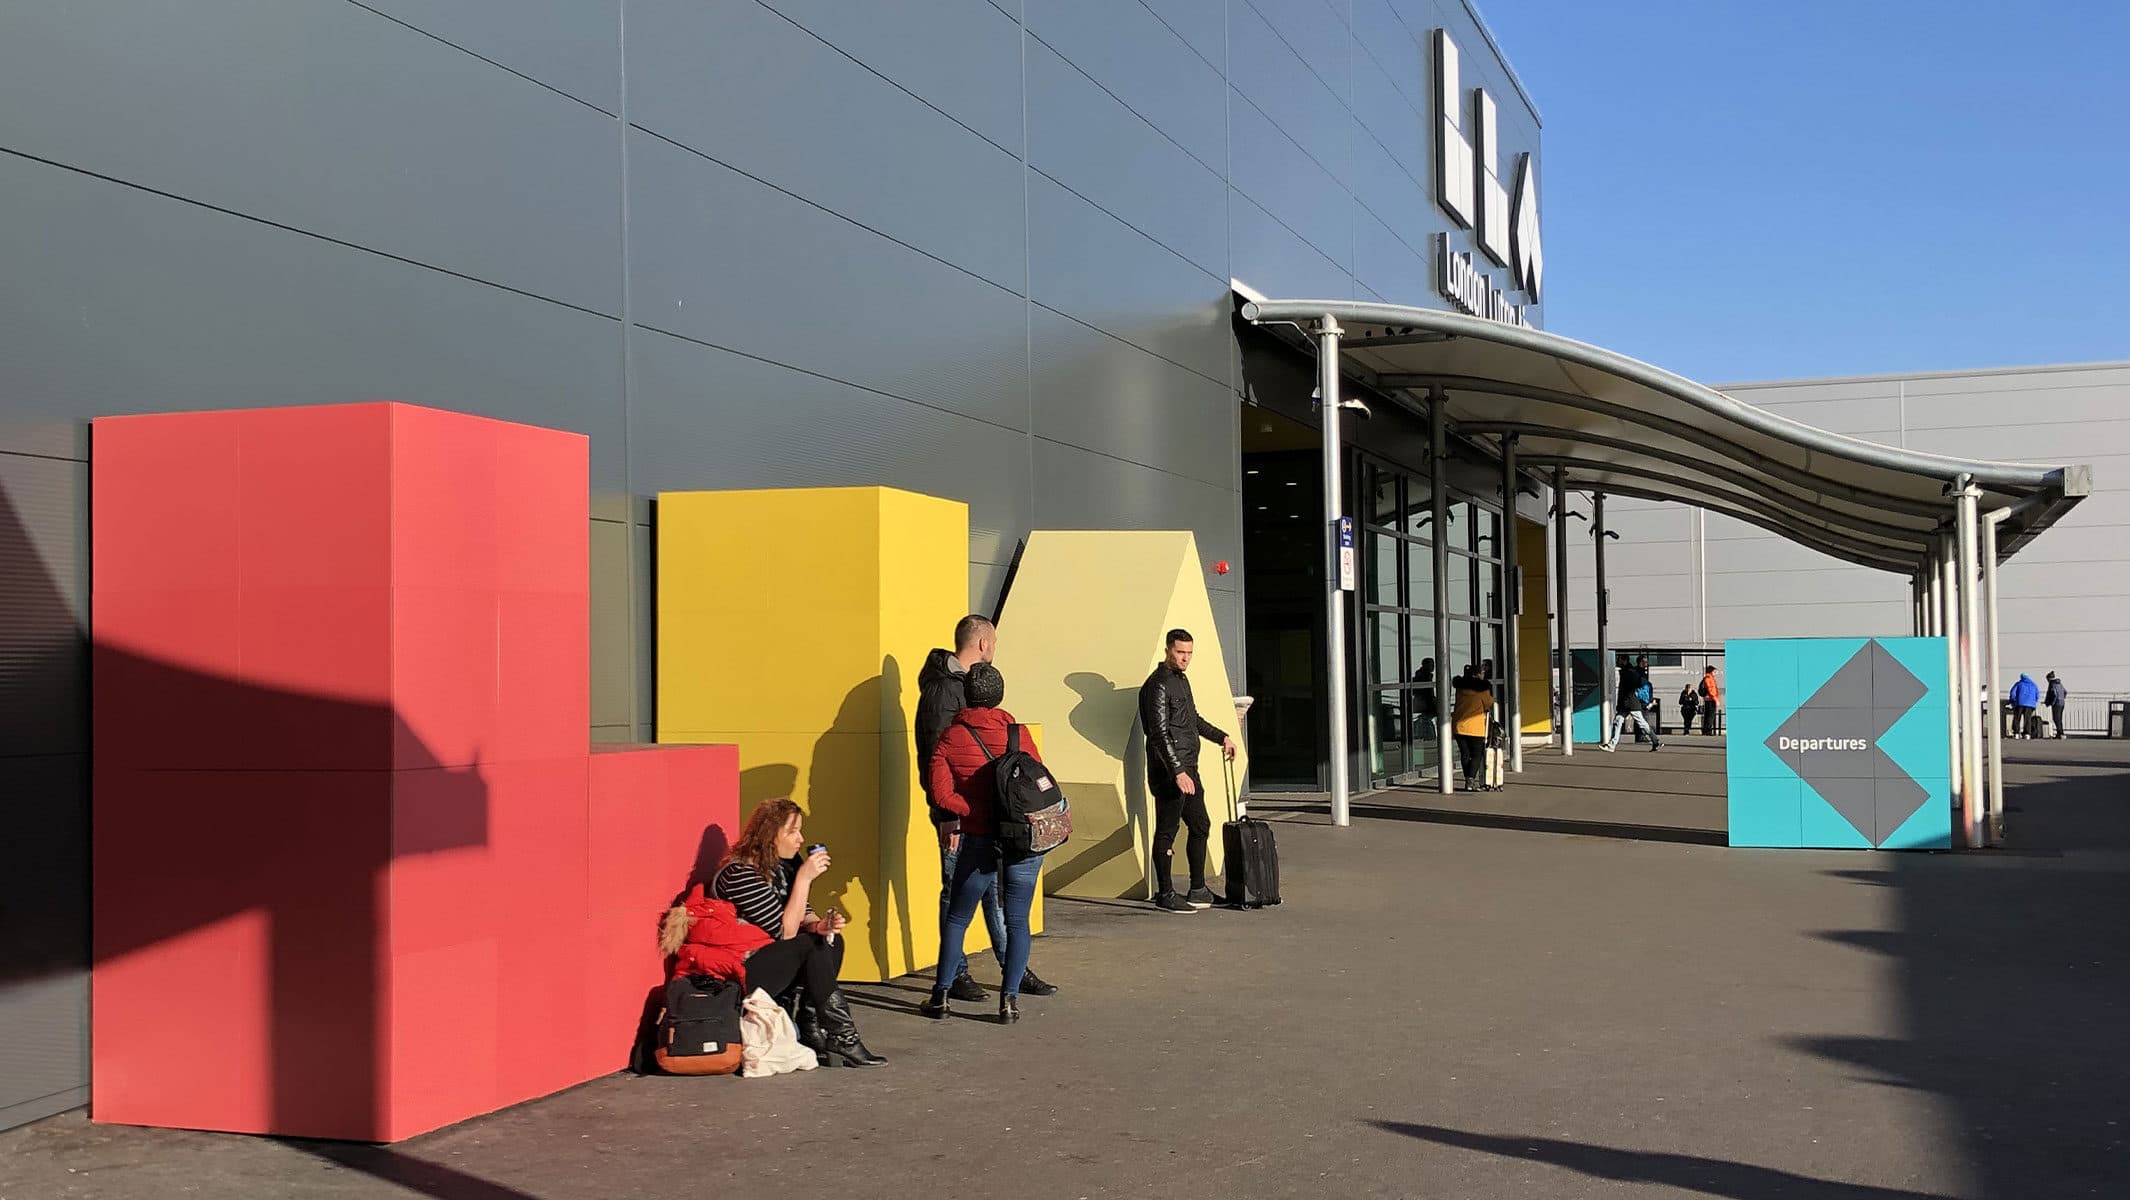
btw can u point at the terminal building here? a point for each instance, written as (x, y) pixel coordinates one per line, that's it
(1079, 266)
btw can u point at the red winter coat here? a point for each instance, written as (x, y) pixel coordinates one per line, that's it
(959, 777)
(716, 943)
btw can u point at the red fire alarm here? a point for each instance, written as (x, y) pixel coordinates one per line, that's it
(1221, 567)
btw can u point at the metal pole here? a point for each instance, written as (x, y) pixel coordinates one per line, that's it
(1328, 332)
(1933, 611)
(1606, 681)
(1994, 827)
(1512, 578)
(1438, 421)
(1564, 661)
(1949, 621)
(1971, 809)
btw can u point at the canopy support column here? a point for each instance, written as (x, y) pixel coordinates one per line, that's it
(1328, 333)
(1564, 660)
(1949, 622)
(1512, 687)
(1992, 675)
(1607, 680)
(1438, 461)
(1971, 804)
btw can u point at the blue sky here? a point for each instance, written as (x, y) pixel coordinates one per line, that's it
(1741, 191)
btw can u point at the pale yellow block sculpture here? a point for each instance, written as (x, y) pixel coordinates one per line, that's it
(1081, 631)
(792, 623)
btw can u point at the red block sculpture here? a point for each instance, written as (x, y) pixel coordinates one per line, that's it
(357, 874)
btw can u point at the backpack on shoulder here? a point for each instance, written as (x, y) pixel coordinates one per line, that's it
(1033, 814)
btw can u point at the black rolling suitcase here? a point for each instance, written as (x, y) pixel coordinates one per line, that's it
(1252, 857)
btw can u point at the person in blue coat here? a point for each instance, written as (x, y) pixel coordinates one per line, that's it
(2026, 697)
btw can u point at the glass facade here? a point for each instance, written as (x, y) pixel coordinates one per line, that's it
(1403, 666)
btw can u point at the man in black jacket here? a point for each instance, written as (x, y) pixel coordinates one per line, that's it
(939, 700)
(1169, 715)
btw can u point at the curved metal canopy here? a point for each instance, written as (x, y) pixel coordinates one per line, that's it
(1624, 427)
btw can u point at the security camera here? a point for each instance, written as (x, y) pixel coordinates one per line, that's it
(1357, 407)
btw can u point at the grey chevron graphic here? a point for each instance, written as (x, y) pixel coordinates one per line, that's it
(1831, 741)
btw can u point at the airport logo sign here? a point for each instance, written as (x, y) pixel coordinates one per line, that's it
(1468, 185)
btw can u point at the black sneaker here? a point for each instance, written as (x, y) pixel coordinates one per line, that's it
(1032, 986)
(1171, 902)
(1200, 897)
(967, 989)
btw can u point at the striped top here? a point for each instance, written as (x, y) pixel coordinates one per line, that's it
(760, 901)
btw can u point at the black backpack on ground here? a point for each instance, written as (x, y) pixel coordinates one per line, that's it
(1031, 811)
(699, 1032)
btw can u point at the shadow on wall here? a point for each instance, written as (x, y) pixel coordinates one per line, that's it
(866, 752)
(310, 907)
(1107, 715)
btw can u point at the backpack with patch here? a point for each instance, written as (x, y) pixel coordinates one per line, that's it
(699, 1033)
(1032, 812)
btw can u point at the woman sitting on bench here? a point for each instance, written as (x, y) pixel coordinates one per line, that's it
(767, 882)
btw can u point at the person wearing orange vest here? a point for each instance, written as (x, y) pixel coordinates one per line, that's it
(1711, 700)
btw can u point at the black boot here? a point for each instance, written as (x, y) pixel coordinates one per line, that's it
(1009, 1009)
(1032, 986)
(841, 1046)
(936, 1007)
(968, 989)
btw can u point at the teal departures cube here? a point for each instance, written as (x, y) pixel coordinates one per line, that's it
(1839, 743)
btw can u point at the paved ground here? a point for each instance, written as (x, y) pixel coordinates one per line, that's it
(1553, 992)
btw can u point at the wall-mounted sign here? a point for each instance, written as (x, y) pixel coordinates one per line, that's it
(1469, 188)
(1347, 580)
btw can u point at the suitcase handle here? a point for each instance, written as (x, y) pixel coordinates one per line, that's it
(1235, 802)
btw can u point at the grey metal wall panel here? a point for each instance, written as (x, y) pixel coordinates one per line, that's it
(613, 654)
(1396, 198)
(721, 258)
(1388, 117)
(1381, 38)
(1276, 81)
(1127, 50)
(1082, 137)
(742, 85)
(1387, 265)
(699, 420)
(1202, 23)
(1317, 33)
(1276, 260)
(1098, 393)
(44, 564)
(1288, 183)
(573, 46)
(319, 115)
(144, 305)
(1079, 489)
(44, 955)
(963, 57)
(1087, 264)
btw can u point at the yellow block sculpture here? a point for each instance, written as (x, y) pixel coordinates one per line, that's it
(792, 623)
(1534, 633)
(1081, 631)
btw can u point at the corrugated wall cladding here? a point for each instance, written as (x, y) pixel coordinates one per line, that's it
(1681, 576)
(972, 248)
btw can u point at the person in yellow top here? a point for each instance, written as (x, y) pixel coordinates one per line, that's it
(1468, 721)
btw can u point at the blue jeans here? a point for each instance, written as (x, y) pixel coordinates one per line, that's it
(992, 906)
(978, 873)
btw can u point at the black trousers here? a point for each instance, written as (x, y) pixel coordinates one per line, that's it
(807, 959)
(1708, 719)
(1472, 755)
(2056, 716)
(1171, 806)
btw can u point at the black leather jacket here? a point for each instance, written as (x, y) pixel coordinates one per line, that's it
(1169, 714)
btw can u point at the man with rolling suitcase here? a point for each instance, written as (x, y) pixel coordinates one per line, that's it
(1169, 715)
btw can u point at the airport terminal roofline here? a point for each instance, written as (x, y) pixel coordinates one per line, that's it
(1620, 426)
